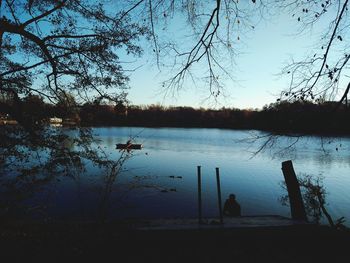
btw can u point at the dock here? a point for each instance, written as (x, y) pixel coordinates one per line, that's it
(264, 221)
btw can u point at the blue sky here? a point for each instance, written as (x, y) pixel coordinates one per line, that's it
(264, 52)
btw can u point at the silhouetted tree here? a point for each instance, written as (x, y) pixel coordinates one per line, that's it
(314, 196)
(317, 77)
(75, 45)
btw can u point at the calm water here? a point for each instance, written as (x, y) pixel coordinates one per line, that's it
(145, 187)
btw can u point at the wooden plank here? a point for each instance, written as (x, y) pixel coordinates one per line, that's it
(212, 223)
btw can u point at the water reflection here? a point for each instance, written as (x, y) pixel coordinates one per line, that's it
(37, 174)
(112, 170)
(255, 180)
(81, 176)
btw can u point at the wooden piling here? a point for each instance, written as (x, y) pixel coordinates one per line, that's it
(296, 201)
(219, 194)
(199, 195)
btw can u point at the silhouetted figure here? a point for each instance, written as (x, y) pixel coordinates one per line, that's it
(128, 145)
(232, 207)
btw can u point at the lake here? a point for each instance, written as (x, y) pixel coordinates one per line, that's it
(161, 179)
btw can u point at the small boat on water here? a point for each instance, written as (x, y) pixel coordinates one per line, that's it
(130, 146)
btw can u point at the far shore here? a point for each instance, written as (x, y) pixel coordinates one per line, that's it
(283, 118)
(282, 132)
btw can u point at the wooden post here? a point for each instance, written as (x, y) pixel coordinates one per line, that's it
(296, 201)
(199, 195)
(219, 194)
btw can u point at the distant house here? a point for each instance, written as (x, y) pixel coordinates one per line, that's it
(5, 119)
(55, 120)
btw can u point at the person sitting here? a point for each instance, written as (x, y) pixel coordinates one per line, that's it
(231, 207)
(128, 146)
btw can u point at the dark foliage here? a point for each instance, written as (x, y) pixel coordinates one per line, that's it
(284, 117)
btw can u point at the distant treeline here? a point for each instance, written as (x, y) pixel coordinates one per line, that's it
(281, 117)
(284, 117)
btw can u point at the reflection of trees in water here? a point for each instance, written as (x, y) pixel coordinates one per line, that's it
(32, 161)
(114, 196)
(33, 166)
(314, 197)
(322, 150)
(112, 170)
